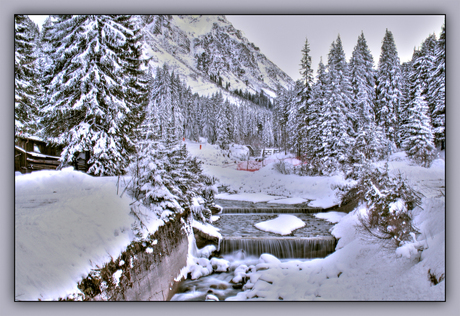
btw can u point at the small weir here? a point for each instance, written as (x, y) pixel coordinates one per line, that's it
(243, 243)
(280, 247)
(269, 210)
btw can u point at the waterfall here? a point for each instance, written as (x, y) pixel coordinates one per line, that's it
(280, 247)
(268, 210)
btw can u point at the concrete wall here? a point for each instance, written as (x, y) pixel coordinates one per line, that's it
(151, 277)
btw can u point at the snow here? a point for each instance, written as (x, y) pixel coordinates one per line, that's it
(266, 184)
(295, 200)
(363, 268)
(207, 228)
(283, 224)
(333, 217)
(249, 197)
(66, 223)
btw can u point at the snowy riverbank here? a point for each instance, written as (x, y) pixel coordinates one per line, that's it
(67, 223)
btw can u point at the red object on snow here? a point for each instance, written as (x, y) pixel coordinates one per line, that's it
(183, 139)
(200, 146)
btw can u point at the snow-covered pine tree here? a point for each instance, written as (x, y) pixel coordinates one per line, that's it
(338, 117)
(214, 105)
(438, 90)
(318, 101)
(389, 89)
(296, 119)
(281, 110)
(162, 97)
(363, 83)
(418, 142)
(225, 126)
(304, 100)
(94, 88)
(369, 141)
(27, 90)
(267, 132)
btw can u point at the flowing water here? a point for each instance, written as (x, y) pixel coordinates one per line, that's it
(242, 243)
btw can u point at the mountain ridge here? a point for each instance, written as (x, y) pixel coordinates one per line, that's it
(211, 55)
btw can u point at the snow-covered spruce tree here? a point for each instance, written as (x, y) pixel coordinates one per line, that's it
(225, 126)
(438, 90)
(165, 178)
(304, 101)
(162, 96)
(27, 90)
(338, 117)
(318, 100)
(267, 132)
(282, 108)
(369, 142)
(296, 119)
(389, 89)
(418, 142)
(363, 83)
(95, 87)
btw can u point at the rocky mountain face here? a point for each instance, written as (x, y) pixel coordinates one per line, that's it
(210, 55)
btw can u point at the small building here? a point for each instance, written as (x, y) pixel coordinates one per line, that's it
(32, 153)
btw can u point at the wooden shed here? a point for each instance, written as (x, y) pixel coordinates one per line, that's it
(32, 153)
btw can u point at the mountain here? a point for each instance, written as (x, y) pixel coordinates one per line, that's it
(210, 55)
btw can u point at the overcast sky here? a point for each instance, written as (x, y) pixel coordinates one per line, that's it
(282, 37)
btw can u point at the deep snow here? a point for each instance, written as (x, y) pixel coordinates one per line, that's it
(67, 223)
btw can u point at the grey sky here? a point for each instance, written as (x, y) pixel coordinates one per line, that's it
(281, 37)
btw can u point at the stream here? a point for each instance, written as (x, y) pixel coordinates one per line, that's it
(242, 244)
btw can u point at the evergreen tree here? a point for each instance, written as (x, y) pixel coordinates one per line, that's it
(26, 75)
(338, 117)
(438, 90)
(316, 111)
(369, 141)
(225, 126)
(304, 102)
(306, 70)
(418, 142)
(95, 88)
(363, 83)
(389, 89)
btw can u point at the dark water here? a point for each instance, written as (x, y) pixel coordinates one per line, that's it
(242, 225)
(243, 243)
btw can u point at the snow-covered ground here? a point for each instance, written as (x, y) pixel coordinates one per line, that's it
(361, 268)
(266, 184)
(66, 222)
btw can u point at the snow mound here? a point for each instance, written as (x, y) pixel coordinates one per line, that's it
(333, 217)
(283, 224)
